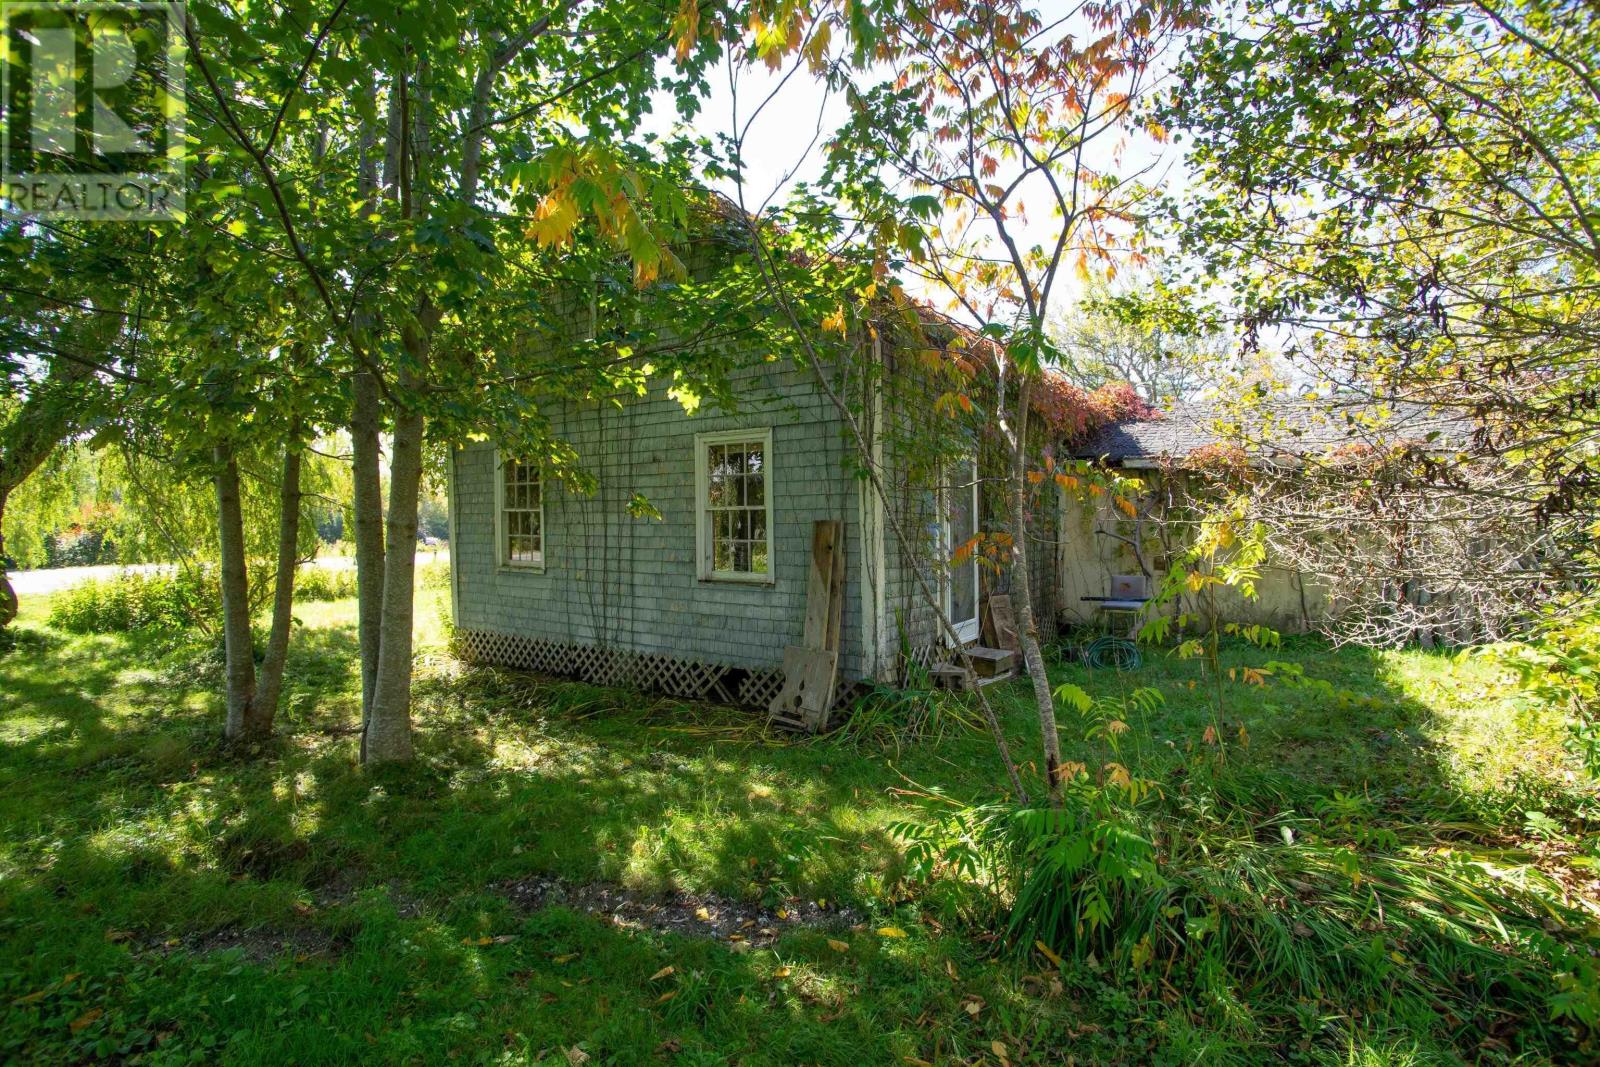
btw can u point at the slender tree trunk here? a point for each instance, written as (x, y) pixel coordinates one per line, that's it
(8, 595)
(1022, 581)
(264, 708)
(388, 732)
(240, 652)
(367, 505)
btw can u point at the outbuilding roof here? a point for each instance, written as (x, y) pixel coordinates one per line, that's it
(1283, 427)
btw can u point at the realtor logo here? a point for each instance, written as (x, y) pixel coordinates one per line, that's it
(93, 109)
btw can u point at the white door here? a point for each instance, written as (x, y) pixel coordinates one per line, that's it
(960, 527)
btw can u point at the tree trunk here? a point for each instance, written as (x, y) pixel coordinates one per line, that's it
(1022, 581)
(8, 595)
(240, 651)
(53, 412)
(367, 505)
(264, 708)
(387, 736)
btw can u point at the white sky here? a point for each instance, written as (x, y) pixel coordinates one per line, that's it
(782, 145)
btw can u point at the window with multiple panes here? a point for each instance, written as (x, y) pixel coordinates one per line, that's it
(521, 513)
(734, 481)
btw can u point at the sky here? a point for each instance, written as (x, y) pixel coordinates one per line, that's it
(782, 145)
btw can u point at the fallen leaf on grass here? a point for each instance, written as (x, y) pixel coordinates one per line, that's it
(890, 931)
(702, 914)
(838, 946)
(566, 957)
(576, 1056)
(782, 972)
(662, 973)
(1049, 955)
(86, 1018)
(668, 995)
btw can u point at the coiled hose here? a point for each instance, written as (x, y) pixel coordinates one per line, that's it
(1118, 653)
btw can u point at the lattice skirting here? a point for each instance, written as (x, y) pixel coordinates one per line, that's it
(752, 687)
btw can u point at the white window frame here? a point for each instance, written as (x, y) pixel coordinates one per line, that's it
(967, 631)
(501, 554)
(702, 504)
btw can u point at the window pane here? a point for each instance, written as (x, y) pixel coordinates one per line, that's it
(758, 562)
(758, 525)
(719, 495)
(754, 457)
(721, 557)
(755, 490)
(741, 526)
(741, 556)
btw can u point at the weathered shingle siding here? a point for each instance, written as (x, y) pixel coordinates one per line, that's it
(615, 581)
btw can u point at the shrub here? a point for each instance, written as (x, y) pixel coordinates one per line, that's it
(324, 583)
(132, 601)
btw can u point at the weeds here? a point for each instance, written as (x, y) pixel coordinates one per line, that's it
(1199, 882)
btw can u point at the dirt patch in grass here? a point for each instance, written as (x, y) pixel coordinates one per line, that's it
(258, 945)
(708, 915)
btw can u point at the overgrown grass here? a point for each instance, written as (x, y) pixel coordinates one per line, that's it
(161, 897)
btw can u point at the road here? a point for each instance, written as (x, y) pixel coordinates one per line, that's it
(39, 583)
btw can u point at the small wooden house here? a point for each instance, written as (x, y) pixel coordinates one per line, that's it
(701, 594)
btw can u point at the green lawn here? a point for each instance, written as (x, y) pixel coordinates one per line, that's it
(161, 897)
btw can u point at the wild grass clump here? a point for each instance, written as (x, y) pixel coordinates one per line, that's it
(1270, 917)
(887, 717)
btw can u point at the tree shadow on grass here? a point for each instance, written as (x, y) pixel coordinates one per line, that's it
(128, 826)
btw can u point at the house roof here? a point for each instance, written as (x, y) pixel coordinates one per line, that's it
(1281, 427)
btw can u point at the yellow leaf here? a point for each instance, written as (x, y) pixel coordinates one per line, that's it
(1119, 775)
(835, 322)
(999, 1048)
(973, 1007)
(1116, 726)
(890, 931)
(555, 218)
(838, 946)
(566, 957)
(662, 973)
(782, 972)
(668, 995)
(1210, 736)
(86, 1018)
(702, 914)
(1049, 955)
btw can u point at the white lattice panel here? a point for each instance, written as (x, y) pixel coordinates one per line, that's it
(686, 679)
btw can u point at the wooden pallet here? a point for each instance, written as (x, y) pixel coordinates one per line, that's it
(810, 670)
